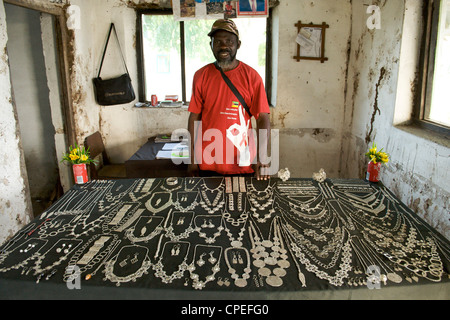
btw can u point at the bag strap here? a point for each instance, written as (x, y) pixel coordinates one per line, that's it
(106, 47)
(233, 88)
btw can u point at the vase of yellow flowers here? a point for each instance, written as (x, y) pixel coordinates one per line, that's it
(377, 158)
(78, 157)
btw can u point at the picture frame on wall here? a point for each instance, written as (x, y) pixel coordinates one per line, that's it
(256, 8)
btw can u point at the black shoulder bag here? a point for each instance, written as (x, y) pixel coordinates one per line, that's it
(233, 88)
(116, 90)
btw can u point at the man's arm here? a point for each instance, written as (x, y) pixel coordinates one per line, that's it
(262, 166)
(193, 169)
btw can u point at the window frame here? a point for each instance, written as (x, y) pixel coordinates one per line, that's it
(141, 62)
(431, 14)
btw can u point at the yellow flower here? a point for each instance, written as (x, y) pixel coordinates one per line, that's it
(77, 155)
(377, 156)
(73, 157)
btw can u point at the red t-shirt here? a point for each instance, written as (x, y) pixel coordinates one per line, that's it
(226, 144)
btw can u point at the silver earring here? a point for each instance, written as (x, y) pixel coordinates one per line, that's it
(124, 262)
(212, 259)
(175, 250)
(234, 258)
(240, 258)
(200, 261)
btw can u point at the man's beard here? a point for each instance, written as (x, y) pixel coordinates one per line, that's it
(225, 63)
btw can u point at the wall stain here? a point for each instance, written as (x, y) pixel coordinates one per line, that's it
(282, 117)
(322, 135)
(376, 109)
(145, 4)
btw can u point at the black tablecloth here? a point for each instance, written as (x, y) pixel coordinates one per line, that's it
(144, 163)
(225, 235)
(148, 151)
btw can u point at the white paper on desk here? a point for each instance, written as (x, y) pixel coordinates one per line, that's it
(173, 154)
(164, 154)
(174, 146)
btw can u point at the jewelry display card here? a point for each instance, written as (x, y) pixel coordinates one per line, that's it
(228, 234)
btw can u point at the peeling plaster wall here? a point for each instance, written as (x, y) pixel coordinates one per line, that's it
(124, 128)
(15, 209)
(310, 95)
(418, 172)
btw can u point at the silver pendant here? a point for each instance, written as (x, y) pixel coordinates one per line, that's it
(284, 264)
(236, 244)
(265, 272)
(241, 283)
(274, 281)
(394, 277)
(259, 263)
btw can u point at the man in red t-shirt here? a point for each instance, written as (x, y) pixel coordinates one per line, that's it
(222, 139)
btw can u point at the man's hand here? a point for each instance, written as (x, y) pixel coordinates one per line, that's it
(193, 168)
(261, 171)
(263, 125)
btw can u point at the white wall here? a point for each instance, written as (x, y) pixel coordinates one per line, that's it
(15, 205)
(311, 95)
(381, 88)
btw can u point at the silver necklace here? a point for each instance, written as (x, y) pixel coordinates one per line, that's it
(186, 201)
(218, 201)
(277, 259)
(145, 187)
(56, 255)
(179, 220)
(21, 255)
(158, 202)
(173, 252)
(147, 228)
(103, 246)
(212, 264)
(240, 222)
(240, 258)
(204, 223)
(129, 257)
(343, 251)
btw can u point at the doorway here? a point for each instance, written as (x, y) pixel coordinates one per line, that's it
(36, 84)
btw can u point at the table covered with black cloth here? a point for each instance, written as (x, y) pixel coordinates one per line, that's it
(227, 237)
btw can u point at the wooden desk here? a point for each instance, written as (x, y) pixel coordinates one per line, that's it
(143, 164)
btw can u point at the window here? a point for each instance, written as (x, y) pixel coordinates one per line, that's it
(172, 51)
(434, 112)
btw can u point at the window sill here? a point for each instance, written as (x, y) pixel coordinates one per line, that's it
(418, 130)
(147, 105)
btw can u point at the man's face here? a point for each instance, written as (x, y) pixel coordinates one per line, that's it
(224, 47)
